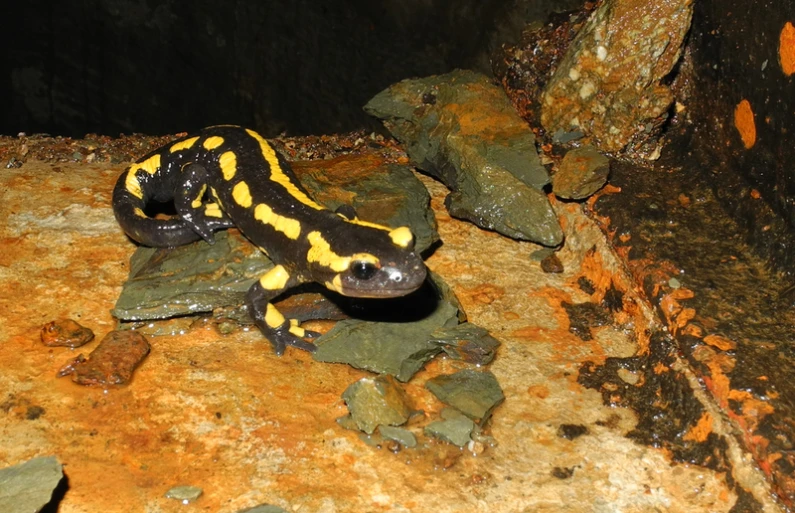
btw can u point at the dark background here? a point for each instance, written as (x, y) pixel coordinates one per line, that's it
(304, 67)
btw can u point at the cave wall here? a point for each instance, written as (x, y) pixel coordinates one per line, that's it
(120, 66)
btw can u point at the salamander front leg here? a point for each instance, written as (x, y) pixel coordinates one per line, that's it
(280, 331)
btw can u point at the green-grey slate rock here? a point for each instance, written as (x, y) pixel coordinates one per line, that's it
(468, 342)
(473, 393)
(184, 494)
(581, 173)
(396, 348)
(374, 401)
(190, 279)
(400, 435)
(463, 130)
(28, 486)
(455, 428)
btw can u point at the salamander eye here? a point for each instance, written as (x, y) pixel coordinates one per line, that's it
(363, 270)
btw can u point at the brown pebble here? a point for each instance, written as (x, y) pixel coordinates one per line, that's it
(111, 363)
(65, 333)
(552, 264)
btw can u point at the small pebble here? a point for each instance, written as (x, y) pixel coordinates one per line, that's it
(185, 494)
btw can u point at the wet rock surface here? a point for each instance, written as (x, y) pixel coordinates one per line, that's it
(609, 84)
(462, 129)
(473, 393)
(376, 401)
(726, 313)
(455, 427)
(581, 173)
(29, 486)
(250, 428)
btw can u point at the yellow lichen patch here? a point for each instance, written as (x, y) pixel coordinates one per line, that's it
(242, 195)
(701, 431)
(228, 163)
(213, 210)
(786, 49)
(744, 123)
(289, 227)
(213, 142)
(320, 252)
(275, 279)
(196, 203)
(277, 173)
(722, 343)
(183, 145)
(273, 317)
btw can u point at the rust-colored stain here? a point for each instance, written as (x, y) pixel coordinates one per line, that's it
(701, 430)
(722, 343)
(786, 49)
(745, 124)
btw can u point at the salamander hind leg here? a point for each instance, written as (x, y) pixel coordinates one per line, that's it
(203, 217)
(280, 331)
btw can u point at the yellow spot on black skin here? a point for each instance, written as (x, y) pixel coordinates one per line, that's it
(277, 174)
(335, 284)
(196, 203)
(150, 165)
(242, 195)
(213, 142)
(298, 331)
(228, 163)
(275, 279)
(183, 145)
(401, 236)
(139, 212)
(213, 210)
(273, 317)
(320, 252)
(291, 228)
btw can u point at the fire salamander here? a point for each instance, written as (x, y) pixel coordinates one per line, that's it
(230, 176)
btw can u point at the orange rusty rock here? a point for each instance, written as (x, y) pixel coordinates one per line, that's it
(701, 430)
(745, 124)
(486, 294)
(722, 343)
(684, 200)
(539, 391)
(684, 317)
(786, 49)
(693, 330)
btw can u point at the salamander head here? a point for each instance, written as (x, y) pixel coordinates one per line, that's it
(366, 261)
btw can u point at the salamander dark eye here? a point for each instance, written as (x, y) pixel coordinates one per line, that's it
(363, 270)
